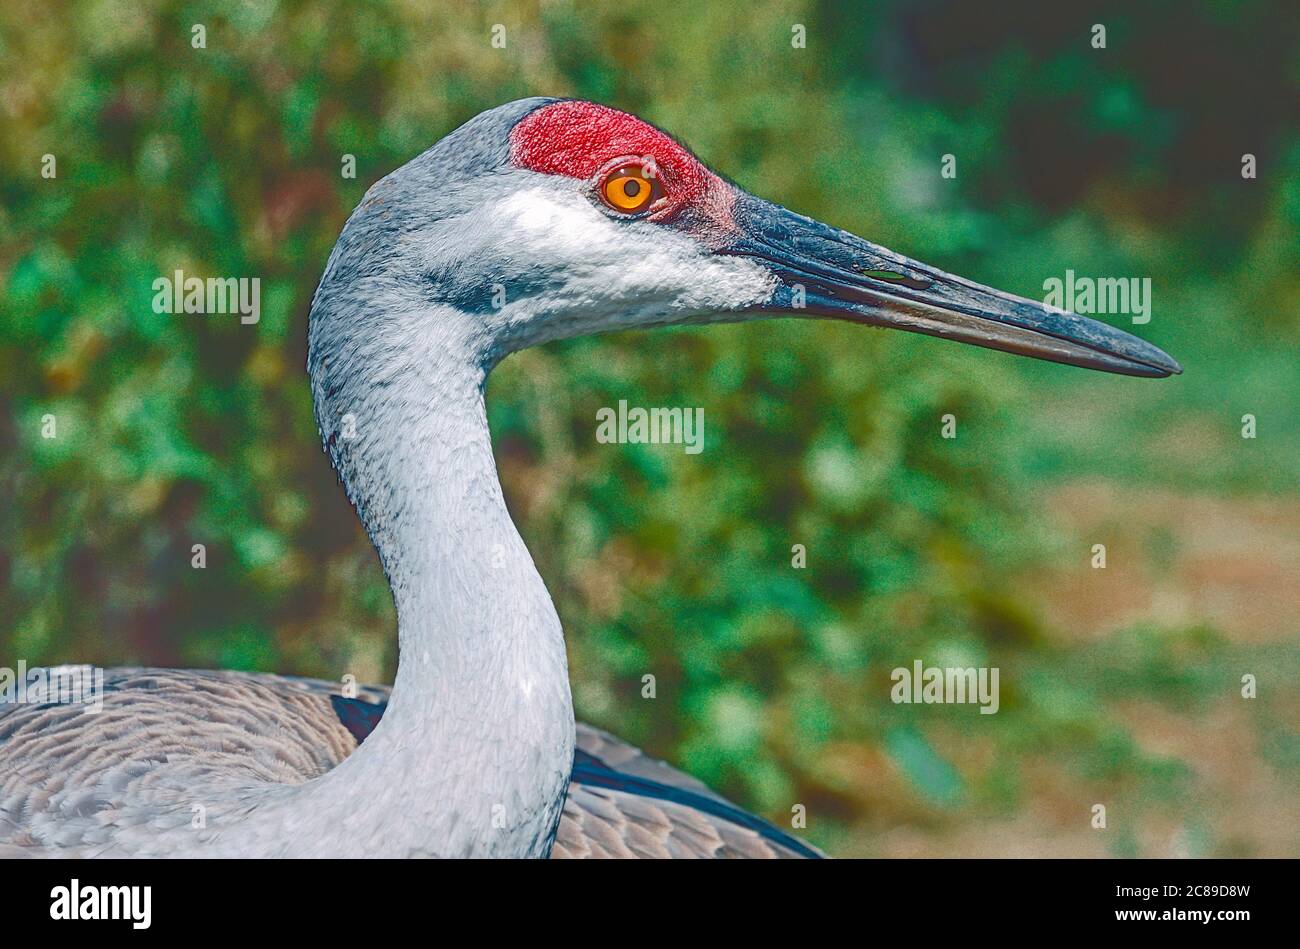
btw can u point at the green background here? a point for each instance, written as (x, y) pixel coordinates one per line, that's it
(1119, 686)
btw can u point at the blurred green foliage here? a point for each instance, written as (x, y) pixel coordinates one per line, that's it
(772, 683)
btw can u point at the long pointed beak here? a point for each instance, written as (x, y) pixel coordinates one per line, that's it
(829, 272)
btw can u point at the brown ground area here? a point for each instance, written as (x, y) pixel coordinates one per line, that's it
(1173, 561)
(1176, 560)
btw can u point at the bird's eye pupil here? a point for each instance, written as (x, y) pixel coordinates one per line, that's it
(632, 187)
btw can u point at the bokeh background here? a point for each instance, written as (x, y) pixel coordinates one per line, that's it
(1119, 686)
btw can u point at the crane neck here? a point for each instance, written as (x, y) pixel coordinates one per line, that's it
(474, 752)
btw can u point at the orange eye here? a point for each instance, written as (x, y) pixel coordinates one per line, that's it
(628, 189)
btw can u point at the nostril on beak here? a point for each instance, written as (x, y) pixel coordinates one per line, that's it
(890, 276)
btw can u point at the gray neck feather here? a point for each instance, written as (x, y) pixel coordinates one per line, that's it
(474, 752)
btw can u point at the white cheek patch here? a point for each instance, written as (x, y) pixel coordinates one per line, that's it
(729, 283)
(535, 213)
(558, 230)
(626, 268)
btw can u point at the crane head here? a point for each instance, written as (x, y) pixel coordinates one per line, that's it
(547, 218)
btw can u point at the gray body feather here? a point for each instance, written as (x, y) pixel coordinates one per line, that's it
(167, 735)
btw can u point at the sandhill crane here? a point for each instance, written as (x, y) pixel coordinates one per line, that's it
(534, 221)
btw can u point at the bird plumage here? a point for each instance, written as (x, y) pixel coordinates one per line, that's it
(162, 733)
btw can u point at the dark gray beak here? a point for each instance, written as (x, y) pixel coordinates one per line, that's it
(844, 277)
